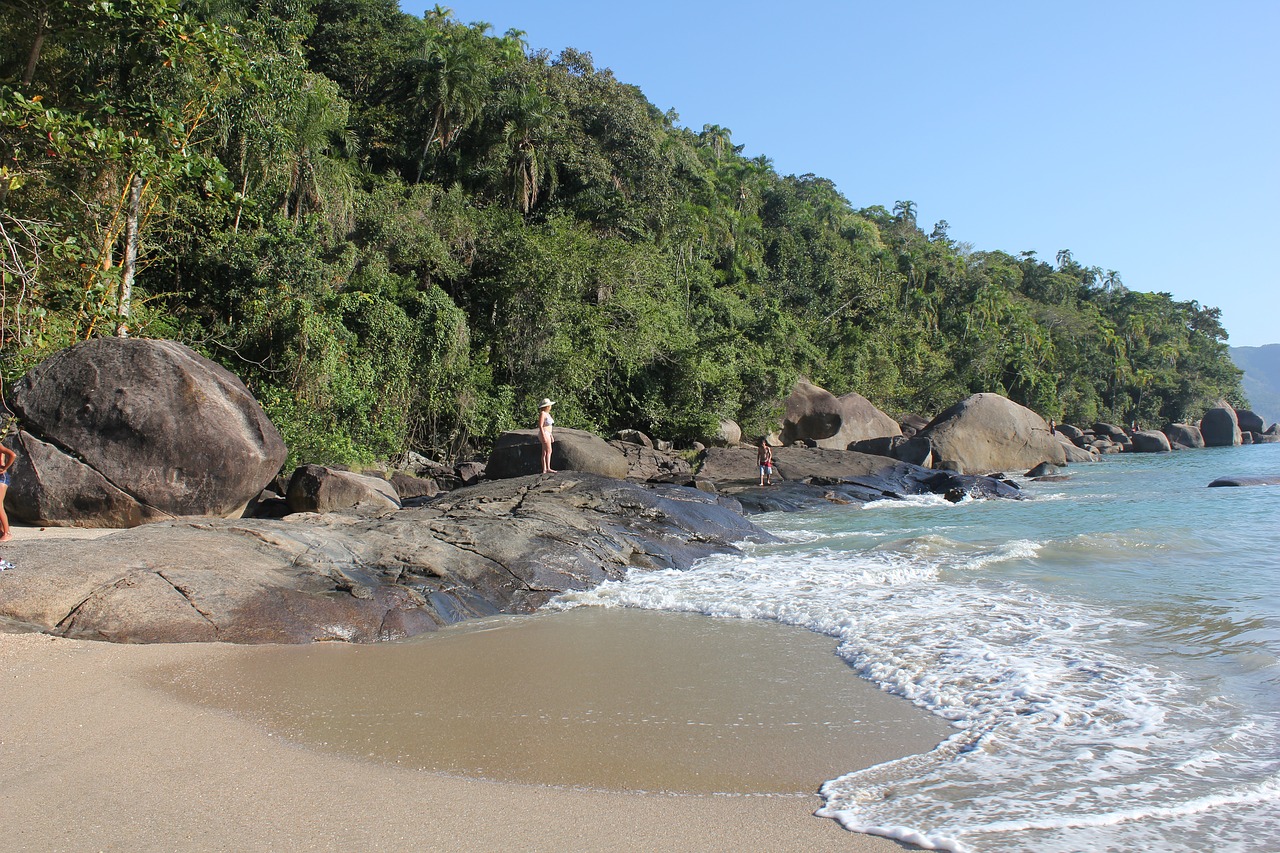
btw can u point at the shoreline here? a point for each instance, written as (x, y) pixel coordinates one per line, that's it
(96, 757)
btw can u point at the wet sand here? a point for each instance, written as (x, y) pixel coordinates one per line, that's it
(534, 734)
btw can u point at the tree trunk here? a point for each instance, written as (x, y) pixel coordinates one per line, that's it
(130, 255)
(42, 24)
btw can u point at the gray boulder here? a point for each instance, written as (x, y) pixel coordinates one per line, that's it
(413, 488)
(633, 436)
(1265, 438)
(917, 450)
(912, 424)
(818, 418)
(1184, 435)
(519, 453)
(1150, 441)
(1076, 454)
(505, 546)
(649, 465)
(121, 431)
(1044, 469)
(1220, 427)
(1249, 421)
(728, 434)
(1072, 433)
(315, 488)
(988, 433)
(1111, 431)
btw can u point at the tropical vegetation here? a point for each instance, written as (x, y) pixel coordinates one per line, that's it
(402, 232)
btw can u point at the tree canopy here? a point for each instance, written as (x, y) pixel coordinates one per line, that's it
(402, 232)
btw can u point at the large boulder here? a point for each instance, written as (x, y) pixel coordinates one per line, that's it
(988, 433)
(1072, 433)
(728, 434)
(1111, 431)
(1183, 435)
(1220, 427)
(118, 431)
(1150, 441)
(519, 453)
(1249, 421)
(917, 450)
(315, 488)
(817, 417)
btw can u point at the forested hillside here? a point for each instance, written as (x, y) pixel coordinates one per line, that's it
(403, 232)
(1261, 382)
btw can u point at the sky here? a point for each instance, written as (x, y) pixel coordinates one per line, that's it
(1141, 136)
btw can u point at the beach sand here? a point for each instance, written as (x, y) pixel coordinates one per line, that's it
(184, 747)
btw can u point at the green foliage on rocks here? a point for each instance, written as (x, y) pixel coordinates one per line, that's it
(404, 232)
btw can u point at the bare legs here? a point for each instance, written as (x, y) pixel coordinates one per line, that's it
(546, 454)
(5, 533)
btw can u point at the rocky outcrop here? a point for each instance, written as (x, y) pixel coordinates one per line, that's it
(816, 417)
(519, 453)
(505, 546)
(633, 436)
(1183, 435)
(988, 433)
(917, 450)
(649, 465)
(1150, 441)
(807, 478)
(1220, 428)
(315, 488)
(1071, 433)
(1249, 421)
(1077, 454)
(118, 431)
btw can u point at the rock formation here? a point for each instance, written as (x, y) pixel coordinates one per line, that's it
(115, 432)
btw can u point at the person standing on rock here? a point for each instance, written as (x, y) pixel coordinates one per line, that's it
(545, 422)
(764, 457)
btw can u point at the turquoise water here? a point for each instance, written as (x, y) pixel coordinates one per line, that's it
(1108, 652)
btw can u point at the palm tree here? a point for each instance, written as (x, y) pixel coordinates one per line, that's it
(905, 211)
(448, 83)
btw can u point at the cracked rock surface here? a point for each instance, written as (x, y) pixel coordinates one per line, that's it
(504, 546)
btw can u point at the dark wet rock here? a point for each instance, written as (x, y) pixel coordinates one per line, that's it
(1150, 441)
(1246, 481)
(1044, 469)
(1246, 438)
(316, 488)
(1220, 427)
(121, 431)
(502, 546)
(1265, 437)
(1249, 421)
(807, 478)
(1185, 435)
(988, 432)
(917, 450)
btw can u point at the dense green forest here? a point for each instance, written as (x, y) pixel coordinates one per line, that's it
(402, 232)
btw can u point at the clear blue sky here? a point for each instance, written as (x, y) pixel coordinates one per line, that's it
(1140, 135)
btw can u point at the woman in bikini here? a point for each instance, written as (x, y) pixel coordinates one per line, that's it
(545, 422)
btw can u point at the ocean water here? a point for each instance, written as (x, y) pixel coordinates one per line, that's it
(1106, 652)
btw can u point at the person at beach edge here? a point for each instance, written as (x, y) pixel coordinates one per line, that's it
(7, 457)
(545, 422)
(764, 457)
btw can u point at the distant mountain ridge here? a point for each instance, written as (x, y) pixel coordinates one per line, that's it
(1261, 383)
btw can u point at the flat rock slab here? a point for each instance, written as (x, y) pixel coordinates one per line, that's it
(1246, 481)
(506, 546)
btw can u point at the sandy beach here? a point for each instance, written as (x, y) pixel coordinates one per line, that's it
(174, 747)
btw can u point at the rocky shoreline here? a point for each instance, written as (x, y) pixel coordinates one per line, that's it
(106, 440)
